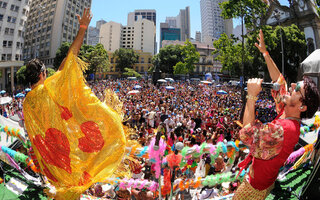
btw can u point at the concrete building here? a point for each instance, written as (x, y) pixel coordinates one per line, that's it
(149, 14)
(198, 36)
(13, 16)
(50, 23)
(167, 33)
(140, 36)
(182, 22)
(93, 33)
(110, 35)
(212, 23)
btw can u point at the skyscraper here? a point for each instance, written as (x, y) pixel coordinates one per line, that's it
(13, 16)
(50, 23)
(212, 23)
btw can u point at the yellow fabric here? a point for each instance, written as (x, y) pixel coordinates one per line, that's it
(77, 139)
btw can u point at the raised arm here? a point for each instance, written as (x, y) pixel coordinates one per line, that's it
(272, 67)
(84, 22)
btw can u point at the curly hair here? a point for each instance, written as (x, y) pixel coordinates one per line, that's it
(33, 70)
(311, 99)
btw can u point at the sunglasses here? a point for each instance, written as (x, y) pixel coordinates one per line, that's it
(298, 89)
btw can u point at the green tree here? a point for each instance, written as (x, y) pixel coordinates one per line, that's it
(125, 58)
(97, 58)
(190, 57)
(131, 72)
(168, 57)
(61, 54)
(252, 11)
(21, 77)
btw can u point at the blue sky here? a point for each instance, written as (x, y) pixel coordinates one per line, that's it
(117, 11)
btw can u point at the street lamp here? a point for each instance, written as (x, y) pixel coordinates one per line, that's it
(277, 17)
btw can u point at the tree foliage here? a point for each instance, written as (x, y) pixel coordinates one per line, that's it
(168, 57)
(190, 57)
(125, 58)
(251, 10)
(131, 72)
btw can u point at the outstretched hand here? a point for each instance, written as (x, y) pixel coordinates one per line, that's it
(86, 17)
(261, 46)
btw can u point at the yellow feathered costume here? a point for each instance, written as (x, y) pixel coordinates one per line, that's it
(78, 140)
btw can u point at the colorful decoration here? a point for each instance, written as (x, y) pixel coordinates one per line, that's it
(77, 139)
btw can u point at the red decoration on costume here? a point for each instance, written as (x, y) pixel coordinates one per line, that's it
(48, 173)
(93, 140)
(54, 149)
(85, 178)
(65, 114)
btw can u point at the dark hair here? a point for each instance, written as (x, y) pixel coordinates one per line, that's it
(33, 70)
(311, 99)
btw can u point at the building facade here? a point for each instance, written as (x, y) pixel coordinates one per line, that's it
(140, 36)
(93, 33)
(212, 23)
(13, 16)
(50, 23)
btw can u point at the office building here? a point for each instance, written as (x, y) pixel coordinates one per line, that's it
(93, 33)
(212, 23)
(50, 23)
(13, 16)
(139, 36)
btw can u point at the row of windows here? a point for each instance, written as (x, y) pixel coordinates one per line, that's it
(8, 57)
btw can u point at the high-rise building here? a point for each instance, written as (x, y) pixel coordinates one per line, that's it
(212, 23)
(182, 22)
(13, 16)
(198, 36)
(139, 36)
(93, 33)
(149, 14)
(167, 33)
(50, 23)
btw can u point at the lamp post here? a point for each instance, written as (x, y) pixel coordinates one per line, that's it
(277, 17)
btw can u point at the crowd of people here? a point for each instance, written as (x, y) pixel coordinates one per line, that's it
(191, 113)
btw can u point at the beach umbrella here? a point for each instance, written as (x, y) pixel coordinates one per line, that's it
(161, 81)
(133, 92)
(206, 82)
(5, 100)
(137, 87)
(169, 79)
(27, 90)
(2, 91)
(222, 92)
(170, 88)
(20, 95)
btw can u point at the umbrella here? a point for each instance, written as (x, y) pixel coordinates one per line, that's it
(133, 92)
(222, 92)
(206, 82)
(137, 87)
(169, 79)
(27, 90)
(170, 88)
(132, 78)
(2, 92)
(161, 81)
(5, 100)
(20, 95)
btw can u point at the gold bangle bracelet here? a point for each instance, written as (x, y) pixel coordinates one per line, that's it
(252, 97)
